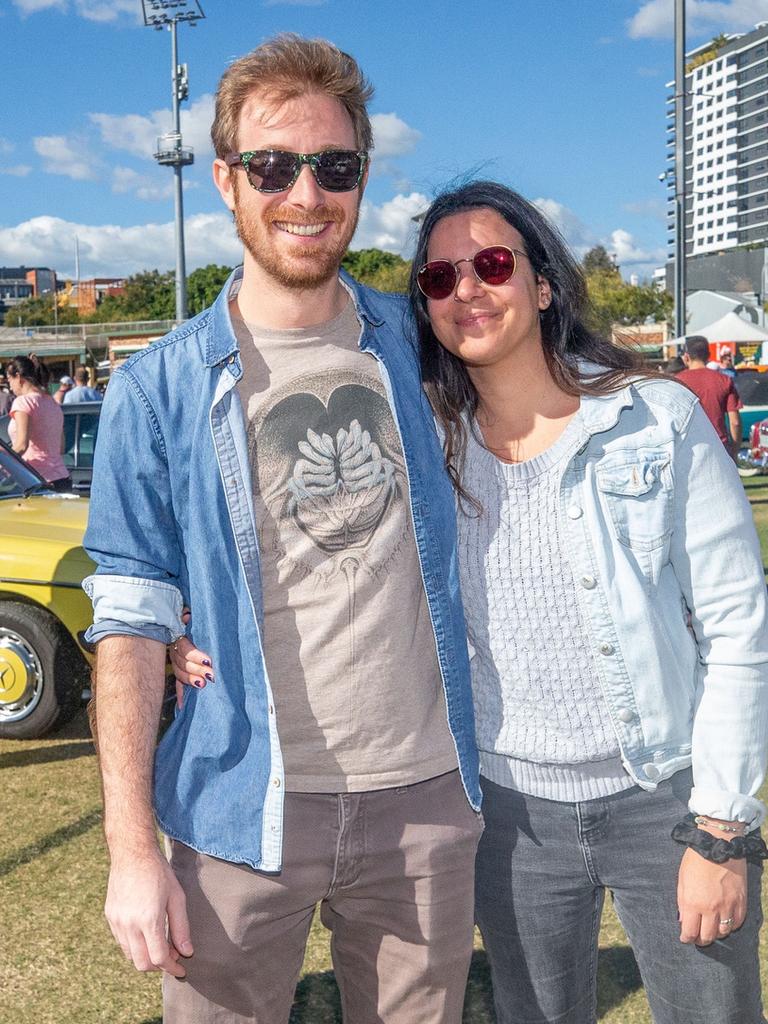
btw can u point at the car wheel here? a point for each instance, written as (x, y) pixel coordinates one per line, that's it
(42, 674)
(746, 471)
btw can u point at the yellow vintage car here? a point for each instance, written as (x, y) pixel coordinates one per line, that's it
(44, 665)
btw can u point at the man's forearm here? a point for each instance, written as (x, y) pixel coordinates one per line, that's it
(129, 688)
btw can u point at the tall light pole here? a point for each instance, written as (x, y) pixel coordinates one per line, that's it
(170, 152)
(680, 97)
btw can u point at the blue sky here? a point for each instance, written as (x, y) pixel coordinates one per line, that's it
(561, 99)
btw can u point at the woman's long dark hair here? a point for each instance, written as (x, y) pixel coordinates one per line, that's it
(566, 337)
(28, 368)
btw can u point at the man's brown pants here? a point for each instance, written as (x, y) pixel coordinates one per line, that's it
(393, 872)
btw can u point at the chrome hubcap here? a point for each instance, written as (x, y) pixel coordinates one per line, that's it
(21, 677)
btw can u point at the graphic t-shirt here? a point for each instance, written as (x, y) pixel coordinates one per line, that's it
(349, 646)
(46, 423)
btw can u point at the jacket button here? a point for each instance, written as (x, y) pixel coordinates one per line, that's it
(626, 715)
(574, 512)
(588, 582)
(276, 783)
(606, 648)
(651, 771)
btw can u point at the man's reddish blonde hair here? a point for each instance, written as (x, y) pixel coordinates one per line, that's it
(285, 68)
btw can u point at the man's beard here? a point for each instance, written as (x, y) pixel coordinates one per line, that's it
(299, 270)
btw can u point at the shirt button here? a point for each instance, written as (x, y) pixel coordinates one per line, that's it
(276, 783)
(273, 828)
(606, 648)
(588, 582)
(231, 359)
(626, 715)
(574, 512)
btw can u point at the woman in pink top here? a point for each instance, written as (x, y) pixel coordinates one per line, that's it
(37, 422)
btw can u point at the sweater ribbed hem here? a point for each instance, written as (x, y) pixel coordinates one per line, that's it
(568, 783)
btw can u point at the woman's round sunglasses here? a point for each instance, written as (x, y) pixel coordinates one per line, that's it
(493, 265)
(276, 170)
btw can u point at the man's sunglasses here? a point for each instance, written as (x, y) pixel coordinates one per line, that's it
(276, 170)
(493, 265)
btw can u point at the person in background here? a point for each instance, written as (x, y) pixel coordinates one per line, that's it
(6, 398)
(674, 366)
(66, 383)
(716, 392)
(82, 391)
(37, 422)
(725, 365)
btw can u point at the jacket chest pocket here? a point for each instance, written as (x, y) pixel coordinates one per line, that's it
(637, 491)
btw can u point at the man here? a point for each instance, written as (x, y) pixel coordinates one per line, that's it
(82, 391)
(715, 391)
(273, 464)
(725, 365)
(66, 383)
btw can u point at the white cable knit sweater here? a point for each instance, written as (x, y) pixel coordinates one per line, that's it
(543, 725)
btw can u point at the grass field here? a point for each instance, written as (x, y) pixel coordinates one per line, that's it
(59, 964)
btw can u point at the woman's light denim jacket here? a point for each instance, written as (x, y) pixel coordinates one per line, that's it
(172, 523)
(670, 578)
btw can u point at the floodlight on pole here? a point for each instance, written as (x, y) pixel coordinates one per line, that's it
(159, 14)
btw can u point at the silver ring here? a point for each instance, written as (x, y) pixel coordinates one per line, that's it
(726, 923)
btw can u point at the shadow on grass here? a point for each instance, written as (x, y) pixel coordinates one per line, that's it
(317, 998)
(50, 842)
(46, 755)
(317, 995)
(617, 977)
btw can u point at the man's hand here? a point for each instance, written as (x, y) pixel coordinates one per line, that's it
(709, 894)
(147, 913)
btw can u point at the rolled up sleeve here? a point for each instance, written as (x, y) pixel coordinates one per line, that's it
(132, 533)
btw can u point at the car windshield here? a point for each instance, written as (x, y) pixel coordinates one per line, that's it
(16, 479)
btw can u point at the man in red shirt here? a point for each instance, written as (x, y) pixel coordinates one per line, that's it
(715, 391)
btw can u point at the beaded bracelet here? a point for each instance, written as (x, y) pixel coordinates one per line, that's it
(751, 846)
(736, 830)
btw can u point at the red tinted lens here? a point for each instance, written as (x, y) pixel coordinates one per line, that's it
(437, 279)
(494, 265)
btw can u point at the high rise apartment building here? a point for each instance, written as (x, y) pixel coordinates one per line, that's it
(726, 144)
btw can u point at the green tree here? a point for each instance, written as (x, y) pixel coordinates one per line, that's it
(597, 260)
(378, 269)
(148, 295)
(613, 301)
(37, 311)
(203, 285)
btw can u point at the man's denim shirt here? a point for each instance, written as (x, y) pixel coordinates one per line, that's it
(670, 579)
(172, 523)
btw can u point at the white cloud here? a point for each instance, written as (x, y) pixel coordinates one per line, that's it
(390, 226)
(109, 250)
(630, 256)
(64, 156)
(145, 186)
(34, 6)
(17, 170)
(138, 133)
(6, 146)
(392, 136)
(655, 18)
(91, 10)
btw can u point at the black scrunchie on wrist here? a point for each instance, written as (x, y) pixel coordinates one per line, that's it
(751, 846)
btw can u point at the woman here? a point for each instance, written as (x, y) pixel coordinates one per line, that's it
(37, 422)
(616, 609)
(616, 604)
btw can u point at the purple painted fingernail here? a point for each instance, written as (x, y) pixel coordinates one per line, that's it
(209, 677)
(206, 662)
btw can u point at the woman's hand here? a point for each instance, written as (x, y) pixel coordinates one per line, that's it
(711, 898)
(191, 666)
